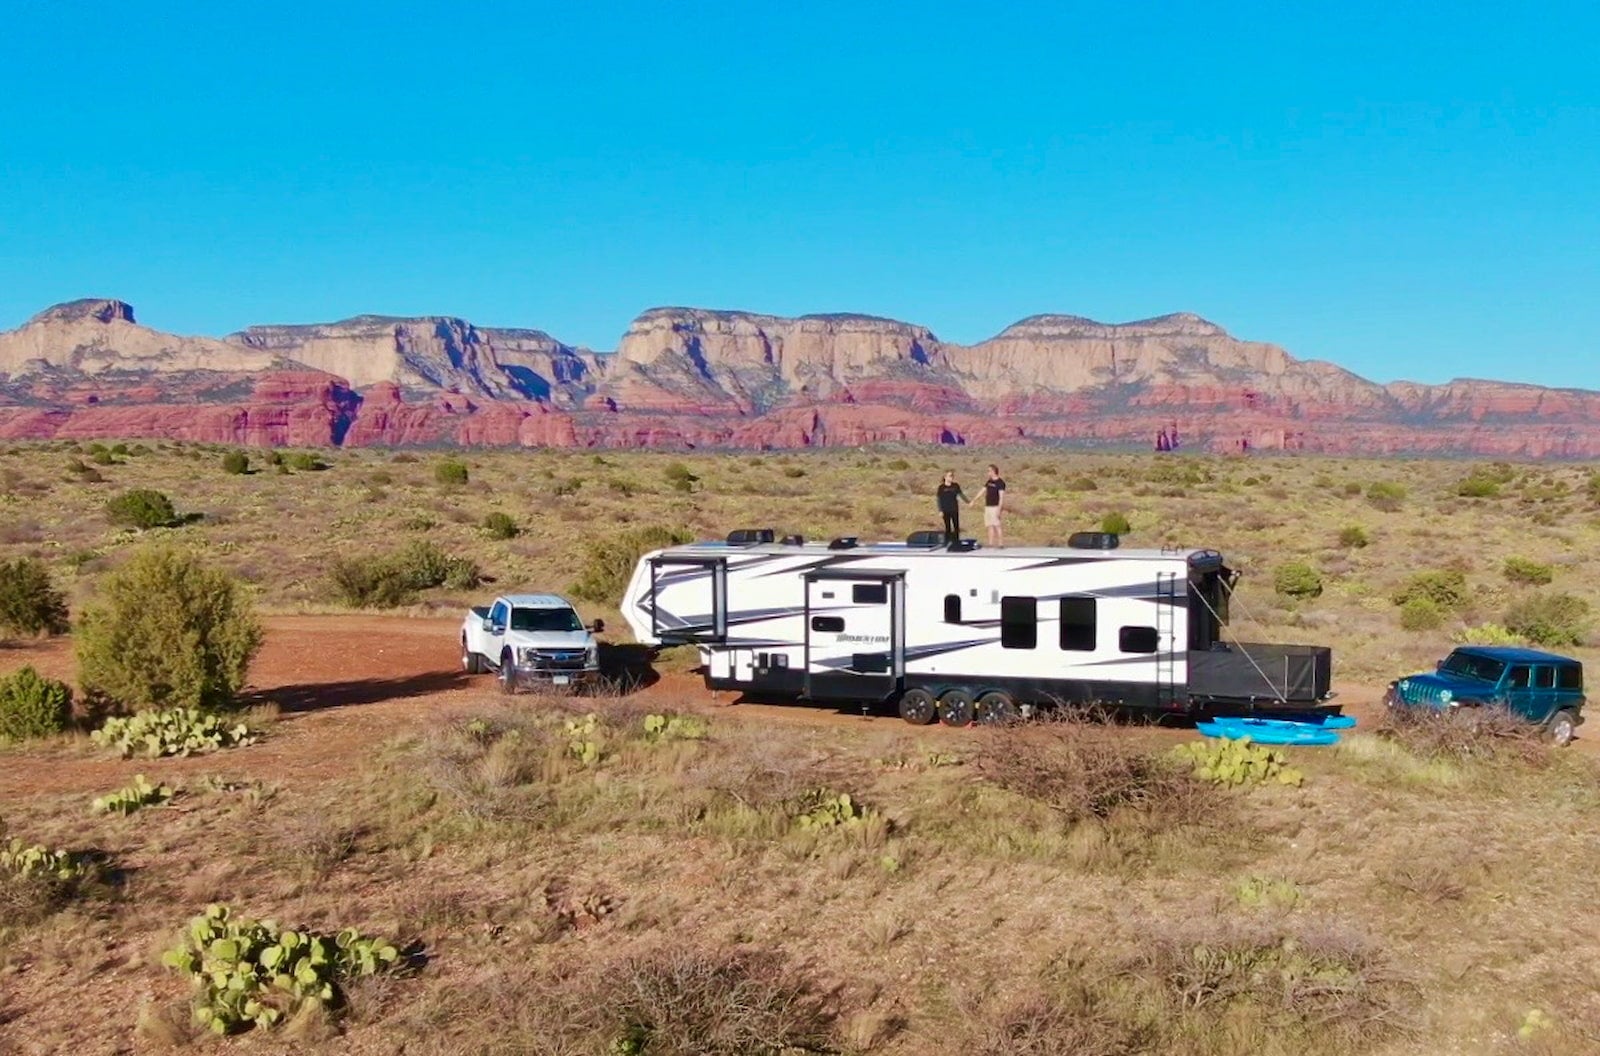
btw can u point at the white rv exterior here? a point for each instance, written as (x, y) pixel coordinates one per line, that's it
(964, 632)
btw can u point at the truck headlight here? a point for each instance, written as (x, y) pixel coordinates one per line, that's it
(527, 655)
(591, 658)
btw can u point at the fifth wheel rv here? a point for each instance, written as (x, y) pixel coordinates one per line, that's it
(960, 633)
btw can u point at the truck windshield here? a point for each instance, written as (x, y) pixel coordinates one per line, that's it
(545, 620)
(1467, 665)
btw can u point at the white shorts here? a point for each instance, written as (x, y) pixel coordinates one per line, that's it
(991, 516)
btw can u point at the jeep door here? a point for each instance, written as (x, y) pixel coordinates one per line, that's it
(1540, 700)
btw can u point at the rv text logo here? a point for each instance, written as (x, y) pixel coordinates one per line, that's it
(869, 638)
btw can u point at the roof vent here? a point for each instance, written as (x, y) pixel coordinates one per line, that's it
(1093, 541)
(794, 540)
(750, 536)
(929, 539)
(844, 542)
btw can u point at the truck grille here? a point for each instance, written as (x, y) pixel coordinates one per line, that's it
(559, 659)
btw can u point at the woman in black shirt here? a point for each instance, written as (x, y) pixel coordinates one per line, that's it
(950, 497)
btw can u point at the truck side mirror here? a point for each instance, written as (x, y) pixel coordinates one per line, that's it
(488, 624)
(599, 625)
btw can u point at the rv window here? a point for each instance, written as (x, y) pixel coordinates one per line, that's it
(869, 594)
(827, 624)
(1019, 623)
(1569, 677)
(952, 608)
(1078, 624)
(1138, 640)
(1544, 678)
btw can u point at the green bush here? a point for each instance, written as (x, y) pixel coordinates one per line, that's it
(1445, 588)
(1353, 537)
(29, 602)
(167, 632)
(275, 458)
(1385, 495)
(1486, 634)
(307, 462)
(499, 525)
(175, 731)
(1115, 524)
(609, 563)
(451, 472)
(1549, 619)
(1421, 613)
(141, 508)
(388, 580)
(1474, 486)
(1296, 579)
(1529, 573)
(680, 477)
(1082, 484)
(250, 973)
(236, 463)
(31, 706)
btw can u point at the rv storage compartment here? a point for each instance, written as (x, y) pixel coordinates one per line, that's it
(1298, 674)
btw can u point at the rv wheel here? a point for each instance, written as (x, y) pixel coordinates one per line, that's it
(955, 707)
(918, 707)
(996, 708)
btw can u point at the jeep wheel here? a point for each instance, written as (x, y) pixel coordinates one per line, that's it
(918, 707)
(955, 707)
(471, 662)
(508, 673)
(1561, 728)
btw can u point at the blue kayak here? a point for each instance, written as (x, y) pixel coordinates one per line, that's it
(1269, 731)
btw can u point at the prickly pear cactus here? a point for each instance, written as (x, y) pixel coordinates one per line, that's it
(1236, 763)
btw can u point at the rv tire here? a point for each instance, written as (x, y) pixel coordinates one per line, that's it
(996, 708)
(955, 707)
(918, 707)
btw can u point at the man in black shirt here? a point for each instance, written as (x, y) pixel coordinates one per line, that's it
(994, 501)
(950, 497)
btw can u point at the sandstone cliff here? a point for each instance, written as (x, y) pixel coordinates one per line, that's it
(692, 377)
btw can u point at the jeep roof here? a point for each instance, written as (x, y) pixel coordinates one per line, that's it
(1512, 654)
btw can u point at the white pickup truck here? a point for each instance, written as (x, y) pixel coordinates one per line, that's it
(528, 638)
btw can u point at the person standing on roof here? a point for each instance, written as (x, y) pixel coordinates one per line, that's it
(950, 498)
(994, 501)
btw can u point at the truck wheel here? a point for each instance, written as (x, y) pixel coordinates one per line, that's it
(1561, 728)
(471, 662)
(996, 708)
(508, 673)
(955, 707)
(918, 707)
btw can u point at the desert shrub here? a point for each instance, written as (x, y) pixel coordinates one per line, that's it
(387, 580)
(1115, 523)
(236, 463)
(1486, 634)
(1352, 488)
(306, 461)
(30, 604)
(1421, 613)
(498, 525)
(897, 464)
(451, 472)
(569, 486)
(141, 508)
(1529, 573)
(404, 458)
(32, 706)
(609, 563)
(275, 459)
(1296, 579)
(1081, 484)
(1463, 735)
(1229, 762)
(102, 456)
(1386, 495)
(1549, 619)
(793, 472)
(680, 477)
(167, 632)
(174, 731)
(248, 973)
(1475, 486)
(1446, 588)
(1353, 537)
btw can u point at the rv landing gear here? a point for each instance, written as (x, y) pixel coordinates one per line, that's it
(918, 707)
(956, 707)
(996, 708)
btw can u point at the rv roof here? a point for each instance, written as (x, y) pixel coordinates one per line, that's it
(1124, 554)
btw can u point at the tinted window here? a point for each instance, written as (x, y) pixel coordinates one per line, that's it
(1544, 678)
(952, 608)
(1518, 679)
(497, 615)
(1469, 666)
(1569, 677)
(827, 624)
(869, 594)
(1138, 639)
(545, 620)
(1078, 624)
(1019, 623)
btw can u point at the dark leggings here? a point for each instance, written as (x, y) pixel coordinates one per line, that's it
(952, 525)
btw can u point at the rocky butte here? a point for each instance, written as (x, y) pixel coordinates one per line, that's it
(689, 377)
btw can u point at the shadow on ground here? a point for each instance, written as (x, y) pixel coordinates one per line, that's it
(628, 666)
(319, 696)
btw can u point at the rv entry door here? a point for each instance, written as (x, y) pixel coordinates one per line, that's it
(855, 635)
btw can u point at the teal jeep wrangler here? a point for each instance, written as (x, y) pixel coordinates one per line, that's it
(1541, 687)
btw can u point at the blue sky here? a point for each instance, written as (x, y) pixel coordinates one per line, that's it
(1407, 193)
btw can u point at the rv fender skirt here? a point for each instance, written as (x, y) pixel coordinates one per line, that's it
(918, 707)
(996, 708)
(956, 707)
